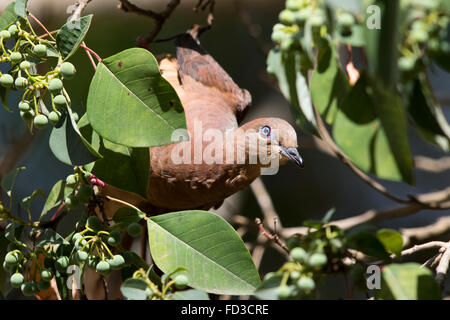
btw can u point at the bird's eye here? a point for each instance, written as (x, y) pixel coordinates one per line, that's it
(265, 131)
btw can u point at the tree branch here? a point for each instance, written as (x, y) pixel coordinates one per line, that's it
(81, 5)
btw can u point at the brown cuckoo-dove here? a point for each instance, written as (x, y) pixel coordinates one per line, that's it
(214, 106)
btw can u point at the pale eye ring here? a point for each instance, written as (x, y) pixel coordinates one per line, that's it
(265, 131)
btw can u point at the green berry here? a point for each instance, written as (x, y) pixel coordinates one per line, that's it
(55, 86)
(16, 280)
(25, 65)
(115, 238)
(24, 106)
(5, 35)
(92, 262)
(16, 57)
(181, 281)
(6, 80)
(317, 20)
(317, 260)
(27, 115)
(12, 29)
(295, 275)
(75, 116)
(149, 292)
(284, 292)
(62, 263)
(299, 254)
(21, 83)
(134, 229)
(84, 193)
(71, 180)
(294, 4)
(71, 202)
(302, 15)
(40, 50)
(306, 284)
(345, 20)
(68, 70)
(278, 36)
(43, 285)
(103, 268)
(46, 275)
(82, 256)
(8, 268)
(40, 122)
(94, 223)
(54, 117)
(12, 258)
(406, 63)
(60, 100)
(117, 262)
(287, 17)
(419, 35)
(76, 237)
(29, 288)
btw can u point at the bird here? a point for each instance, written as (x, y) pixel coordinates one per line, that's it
(214, 102)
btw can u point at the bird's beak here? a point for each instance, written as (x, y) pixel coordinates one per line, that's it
(292, 154)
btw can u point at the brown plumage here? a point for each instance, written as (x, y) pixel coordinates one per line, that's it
(210, 98)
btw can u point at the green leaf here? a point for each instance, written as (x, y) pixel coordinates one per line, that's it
(134, 289)
(8, 16)
(71, 35)
(123, 167)
(55, 197)
(355, 39)
(392, 241)
(26, 202)
(214, 255)
(126, 216)
(68, 145)
(190, 294)
(286, 67)
(368, 243)
(5, 285)
(9, 180)
(131, 104)
(408, 281)
(328, 215)
(329, 84)
(48, 236)
(20, 8)
(269, 288)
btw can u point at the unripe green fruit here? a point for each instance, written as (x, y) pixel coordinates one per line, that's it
(29, 288)
(295, 275)
(24, 106)
(6, 80)
(294, 4)
(25, 65)
(40, 122)
(68, 70)
(94, 223)
(60, 100)
(16, 57)
(54, 117)
(21, 83)
(16, 280)
(40, 50)
(317, 20)
(82, 256)
(117, 262)
(115, 238)
(345, 20)
(71, 202)
(12, 29)
(181, 281)
(71, 180)
(284, 292)
(75, 116)
(12, 258)
(27, 115)
(149, 292)
(55, 86)
(134, 229)
(84, 193)
(406, 63)
(92, 262)
(62, 263)
(302, 15)
(46, 275)
(43, 285)
(287, 17)
(278, 36)
(299, 254)
(5, 35)
(317, 260)
(103, 268)
(419, 35)
(306, 284)
(8, 268)
(76, 237)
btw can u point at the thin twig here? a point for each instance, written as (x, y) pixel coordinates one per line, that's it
(272, 237)
(432, 165)
(442, 268)
(81, 5)
(425, 246)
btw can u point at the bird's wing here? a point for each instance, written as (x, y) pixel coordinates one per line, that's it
(197, 70)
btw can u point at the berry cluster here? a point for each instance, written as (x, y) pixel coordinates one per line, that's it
(81, 189)
(24, 50)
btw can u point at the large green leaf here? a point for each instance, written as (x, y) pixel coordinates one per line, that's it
(286, 67)
(20, 8)
(48, 236)
(55, 197)
(392, 241)
(134, 289)
(131, 104)
(363, 239)
(123, 167)
(71, 35)
(408, 281)
(328, 84)
(126, 216)
(68, 144)
(211, 251)
(8, 16)
(190, 294)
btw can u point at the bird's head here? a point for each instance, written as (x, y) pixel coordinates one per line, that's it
(276, 135)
